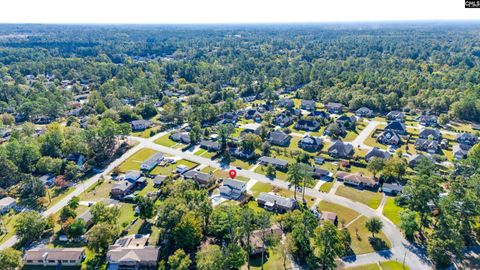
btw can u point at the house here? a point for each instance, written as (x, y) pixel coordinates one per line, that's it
(364, 112)
(341, 150)
(243, 153)
(233, 189)
(283, 120)
(210, 145)
(430, 134)
(466, 138)
(356, 179)
(140, 125)
(277, 163)
(276, 203)
(444, 144)
(397, 127)
(279, 138)
(335, 108)
(415, 159)
(348, 121)
(375, 152)
(308, 125)
(426, 145)
(152, 161)
(319, 114)
(395, 116)
(87, 217)
(180, 137)
(121, 188)
(47, 179)
(427, 120)
(256, 239)
(227, 118)
(6, 204)
(308, 105)
(250, 128)
(132, 176)
(253, 114)
(460, 150)
(322, 174)
(54, 257)
(286, 103)
(203, 179)
(78, 159)
(389, 137)
(329, 216)
(310, 143)
(392, 189)
(158, 180)
(132, 252)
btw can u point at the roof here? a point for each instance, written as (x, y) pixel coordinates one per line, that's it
(122, 185)
(310, 140)
(426, 144)
(133, 241)
(466, 137)
(210, 144)
(145, 254)
(308, 123)
(331, 216)
(6, 201)
(154, 159)
(461, 148)
(342, 149)
(320, 172)
(308, 102)
(395, 125)
(334, 105)
(56, 254)
(376, 152)
(234, 183)
(435, 133)
(158, 180)
(277, 200)
(197, 175)
(278, 136)
(141, 122)
(364, 110)
(395, 114)
(359, 178)
(273, 161)
(132, 175)
(395, 187)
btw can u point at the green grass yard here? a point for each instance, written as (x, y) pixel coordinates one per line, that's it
(134, 162)
(326, 187)
(392, 211)
(345, 215)
(165, 141)
(279, 174)
(360, 237)
(167, 170)
(372, 199)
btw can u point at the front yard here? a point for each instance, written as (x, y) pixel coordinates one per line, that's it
(369, 198)
(134, 161)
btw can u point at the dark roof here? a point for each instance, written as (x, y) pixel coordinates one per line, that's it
(394, 187)
(321, 114)
(310, 140)
(283, 202)
(55, 254)
(340, 148)
(278, 136)
(132, 175)
(377, 153)
(235, 184)
(395, 125)
(334, 105)
(197, 175)
(154, 159)
(425, 133)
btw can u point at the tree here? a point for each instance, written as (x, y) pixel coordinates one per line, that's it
(102, 213)
(394, 168)
(299, 243)
(307, 175)
(224, 132)
(77, 228)
(52, 141)
(247, 225)
(188, 232)
(270, 170)
(374, 225)
(100, 236)
(145, 207)
(10, 259)
(67, 212)
(74, 202)
(71, 170)
(264, 222)
(31, 225)
(179, 260)
(234, 256)
(210, 257)
(376, 165)
(295, 176)
(195, 133)
(329, 243)
(408, 223)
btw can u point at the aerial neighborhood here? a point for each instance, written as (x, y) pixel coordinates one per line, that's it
(157, 161)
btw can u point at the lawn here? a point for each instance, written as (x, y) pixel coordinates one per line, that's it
(165, 141)
(274, 261)
(126, 213)
(57, 194)
(392, 211)
(361, 238)
(345, 215)
(352, 134)
(146, 133)
(134, 162)
(167, 170)
(372, 199)
(372, 139)
(148, 188)
(372, 266)
(97, 192)
(393, 265)
(200, 152)
(240, 163)
(9, 220)
(222, 174)
(325, 187)
(279, 174)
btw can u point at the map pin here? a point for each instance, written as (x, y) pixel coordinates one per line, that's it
(232, 173)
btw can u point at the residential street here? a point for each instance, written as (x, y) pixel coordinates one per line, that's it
(400, 247)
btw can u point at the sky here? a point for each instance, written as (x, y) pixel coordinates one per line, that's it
(229, 11)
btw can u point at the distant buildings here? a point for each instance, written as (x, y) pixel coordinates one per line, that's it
(335, 108)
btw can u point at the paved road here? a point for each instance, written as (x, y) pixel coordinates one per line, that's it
(360, 139)
(81, 187)
(414, 257)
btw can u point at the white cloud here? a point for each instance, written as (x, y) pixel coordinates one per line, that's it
(227, 11)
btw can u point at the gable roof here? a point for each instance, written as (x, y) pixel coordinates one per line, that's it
(55, 254)
(340, 148)
(273, 161)
(375, 152)
(396, 125)
(286, 203)
(235, 184)
(278, 136)
(425, 133)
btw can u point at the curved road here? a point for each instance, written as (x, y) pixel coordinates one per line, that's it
(401, 249)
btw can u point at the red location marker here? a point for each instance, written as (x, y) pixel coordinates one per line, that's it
(232, 174)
